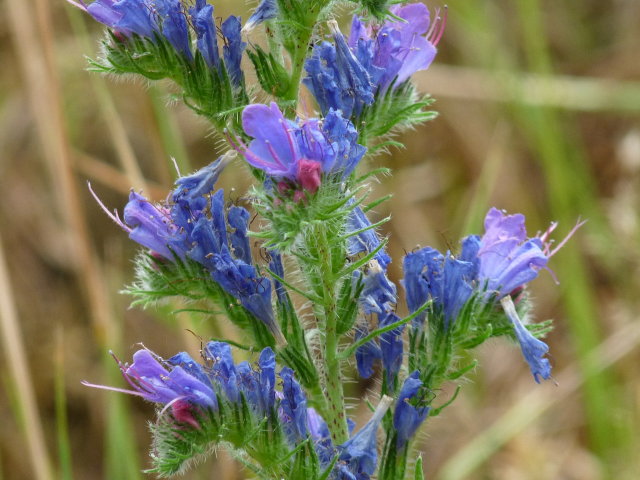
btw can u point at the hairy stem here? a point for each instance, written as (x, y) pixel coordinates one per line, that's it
(334, 393)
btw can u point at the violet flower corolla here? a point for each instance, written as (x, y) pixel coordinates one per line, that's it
(293, 408)
(182, 390)
(297, 155)
(348, 75)
(410, 411)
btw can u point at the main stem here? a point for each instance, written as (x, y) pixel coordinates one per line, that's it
(334, 393)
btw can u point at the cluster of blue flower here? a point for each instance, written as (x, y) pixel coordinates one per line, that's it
(169, 19)
(295, 158)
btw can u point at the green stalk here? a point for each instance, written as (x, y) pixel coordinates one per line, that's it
(334, 393)
(298, 53)
(322, 279)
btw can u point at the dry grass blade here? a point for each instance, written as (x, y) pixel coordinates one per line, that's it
(34, 44)
(561, 91)
(17, 362)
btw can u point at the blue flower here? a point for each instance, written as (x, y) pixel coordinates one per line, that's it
(189, 365)
(366, 241)
(172, 20)
(186, 386)
(409, 414)
(391, 348)
(347, 75)
(205, 28)
(233, 49)
(267, 365)
(223, 370)
(319, 433)
(532, 348)
(299, 153)
(266, 10)
(337, 79)
(293, 408)
(174, 26)
(367, 354)
(358, 456)
(445, 280)
(379, 293)
(193, 225)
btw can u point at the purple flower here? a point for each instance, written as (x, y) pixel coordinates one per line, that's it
(149, 225)
(409, 413)
(507, 258)
(319, 433)
(299, 152)
(183, 384)
(152, 381)
(266, 10)
(193, 225)
(173, 20)
(398, 48)
(532, 348)
(347, 75)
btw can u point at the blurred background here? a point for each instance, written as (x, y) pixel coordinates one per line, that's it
(539, 105)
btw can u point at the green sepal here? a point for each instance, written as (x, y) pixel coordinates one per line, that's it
(348, 304)
(289, 220)
(272, 75)
(418, 473)
(391, 112)
(260, 440)
(378, 9)
(207, 91)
